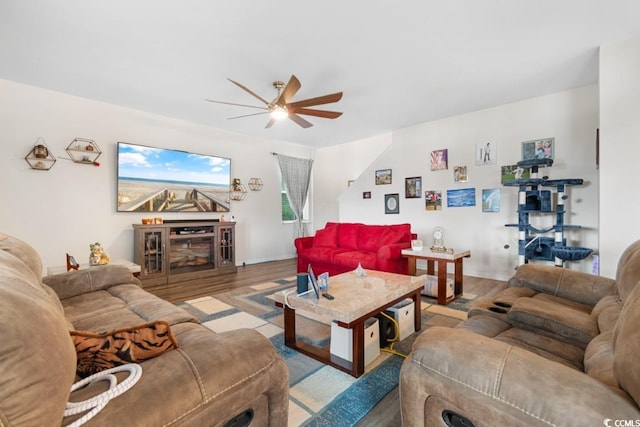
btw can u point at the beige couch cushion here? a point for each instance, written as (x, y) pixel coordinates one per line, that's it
(37, 373)
(626, 346)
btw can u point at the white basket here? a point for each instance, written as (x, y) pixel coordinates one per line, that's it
(431, 287)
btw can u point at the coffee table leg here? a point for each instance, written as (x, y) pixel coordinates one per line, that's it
(417, 311)
(357, 339)
(289, 326)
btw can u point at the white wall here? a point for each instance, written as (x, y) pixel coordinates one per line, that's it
(619, 150)
(72, 205)
(571, 117)
(334, 167)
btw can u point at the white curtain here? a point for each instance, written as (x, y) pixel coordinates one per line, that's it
(296, 174)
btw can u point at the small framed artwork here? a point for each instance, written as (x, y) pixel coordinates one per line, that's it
(511, 172)
(463, 197)
(383, 176)
(433, 200)
(392, 203)
(538, 149)
(491, 200)
(413, 187)
(366, 194)
(486, 154)
(460, 174)
(439, 159)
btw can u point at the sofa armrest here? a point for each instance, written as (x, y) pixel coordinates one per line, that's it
(303, 242)
(492, 383)
(392, 250)
(86, 280)
(564, 283)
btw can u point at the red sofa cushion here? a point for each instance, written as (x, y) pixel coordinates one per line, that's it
(374, 236)
(320, 255)
(349, 235)
(326, 237)
(350, 260)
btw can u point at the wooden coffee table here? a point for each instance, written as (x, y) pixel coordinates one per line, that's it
(356, 299)
(442, 259)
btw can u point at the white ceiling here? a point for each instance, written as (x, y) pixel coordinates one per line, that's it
(398, 63)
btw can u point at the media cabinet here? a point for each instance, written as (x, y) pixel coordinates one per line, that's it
(176, 251)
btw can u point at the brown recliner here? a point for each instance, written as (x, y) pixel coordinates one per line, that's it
(557, 347)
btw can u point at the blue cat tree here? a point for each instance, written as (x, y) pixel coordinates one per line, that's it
(532, 244)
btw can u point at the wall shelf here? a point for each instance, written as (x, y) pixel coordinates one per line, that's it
(85, 151)
(40, 157)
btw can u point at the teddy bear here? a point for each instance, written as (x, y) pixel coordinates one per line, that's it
(97, 255)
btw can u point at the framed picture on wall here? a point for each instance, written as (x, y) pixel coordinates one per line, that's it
(366, 194)
(460, 174)
(486, 153)
(392, 203)
(439, 159)
(538, 149)
(491, 200)
(413, 187)
(433, 200)
(383, 176)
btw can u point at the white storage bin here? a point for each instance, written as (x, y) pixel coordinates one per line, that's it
(403, 313)
(341, 344)
(431, 287)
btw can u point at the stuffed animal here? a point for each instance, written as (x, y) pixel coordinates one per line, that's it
(97, 255)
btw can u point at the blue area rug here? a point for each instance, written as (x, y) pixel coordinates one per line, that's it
(320, 395)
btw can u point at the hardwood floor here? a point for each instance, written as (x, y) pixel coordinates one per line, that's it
(248, 275)
(387, 412)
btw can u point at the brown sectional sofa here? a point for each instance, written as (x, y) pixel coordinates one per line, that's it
(340, 247)
(556, 347)
(208, 380)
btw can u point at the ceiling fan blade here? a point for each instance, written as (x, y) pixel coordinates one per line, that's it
(249, 91)
(292, 87)
(270, 123)
(233, 103)
(318, 113)
(299, 120)
(325, 99)
(248, 115)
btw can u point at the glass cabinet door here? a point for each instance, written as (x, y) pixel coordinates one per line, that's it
(227, 256)
(153, 249)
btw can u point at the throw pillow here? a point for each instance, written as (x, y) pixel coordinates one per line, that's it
(100, 351)
(327, 237)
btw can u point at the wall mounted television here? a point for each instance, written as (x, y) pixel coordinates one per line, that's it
(164, 180)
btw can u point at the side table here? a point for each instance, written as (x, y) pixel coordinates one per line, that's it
(442, 259)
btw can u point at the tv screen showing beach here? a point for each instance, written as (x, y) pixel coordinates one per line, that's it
(162, 180)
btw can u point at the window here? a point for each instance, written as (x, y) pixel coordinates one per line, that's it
(287, 212)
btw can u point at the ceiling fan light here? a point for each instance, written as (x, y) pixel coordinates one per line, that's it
(279, 113)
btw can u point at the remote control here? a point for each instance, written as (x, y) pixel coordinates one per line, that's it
(327, 296)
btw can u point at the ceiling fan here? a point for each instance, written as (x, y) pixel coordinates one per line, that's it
(281, 108)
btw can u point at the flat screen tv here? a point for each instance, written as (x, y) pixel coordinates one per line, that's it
(163, 180)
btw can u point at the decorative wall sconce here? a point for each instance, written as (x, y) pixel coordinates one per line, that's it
(40, 157)
(238, 192)
(255, 184)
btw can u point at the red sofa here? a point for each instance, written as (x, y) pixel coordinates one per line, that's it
(340, 247)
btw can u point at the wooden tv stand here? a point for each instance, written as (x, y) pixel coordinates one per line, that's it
(184, 250)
